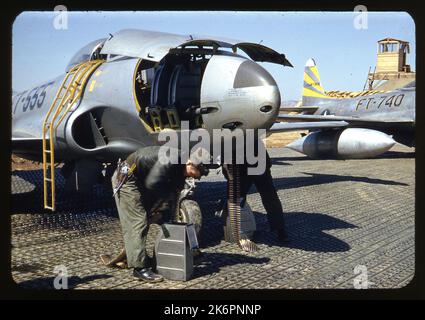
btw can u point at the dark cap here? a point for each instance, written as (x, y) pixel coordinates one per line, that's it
(202, 169)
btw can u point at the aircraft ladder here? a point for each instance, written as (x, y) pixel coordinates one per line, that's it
(68, 94)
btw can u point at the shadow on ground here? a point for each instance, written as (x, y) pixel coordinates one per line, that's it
(48, 282)
(312, 179)
(306, 232)
(27, 195)
(212, 262)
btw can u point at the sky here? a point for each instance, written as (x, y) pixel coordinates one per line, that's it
(342, 52)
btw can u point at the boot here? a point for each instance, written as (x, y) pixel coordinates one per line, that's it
(146, 274)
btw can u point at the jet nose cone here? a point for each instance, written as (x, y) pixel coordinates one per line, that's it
(264, 92)
(242, 93)
(251, 74)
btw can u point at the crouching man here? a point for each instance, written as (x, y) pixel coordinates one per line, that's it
(151, 185)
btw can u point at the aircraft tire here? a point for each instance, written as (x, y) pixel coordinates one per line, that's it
(190, 212)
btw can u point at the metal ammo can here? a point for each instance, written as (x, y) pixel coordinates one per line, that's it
(173, 251)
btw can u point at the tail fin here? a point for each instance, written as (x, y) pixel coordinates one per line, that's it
(312, 86)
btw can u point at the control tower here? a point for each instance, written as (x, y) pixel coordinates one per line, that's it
(392, 70)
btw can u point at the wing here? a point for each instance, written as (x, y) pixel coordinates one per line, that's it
(294, 126)
(351, 121)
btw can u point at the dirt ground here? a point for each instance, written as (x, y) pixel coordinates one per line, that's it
(281, 139)
(18, 164)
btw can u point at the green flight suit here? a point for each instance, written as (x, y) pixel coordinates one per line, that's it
(154, 187)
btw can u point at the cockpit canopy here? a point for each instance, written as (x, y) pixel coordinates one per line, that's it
(88, 52)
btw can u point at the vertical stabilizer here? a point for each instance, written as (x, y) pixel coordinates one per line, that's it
(312, 89)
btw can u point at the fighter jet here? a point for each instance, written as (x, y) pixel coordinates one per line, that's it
(374, 120)
(118, 93)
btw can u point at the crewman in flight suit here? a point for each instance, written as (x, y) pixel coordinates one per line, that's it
(151, 186)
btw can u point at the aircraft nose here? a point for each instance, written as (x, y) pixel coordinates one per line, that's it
(264, 91)
(250, 74)
(240, 94)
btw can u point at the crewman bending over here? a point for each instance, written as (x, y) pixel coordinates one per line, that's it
(143, 185)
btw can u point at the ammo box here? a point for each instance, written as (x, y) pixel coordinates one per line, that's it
(173, 251)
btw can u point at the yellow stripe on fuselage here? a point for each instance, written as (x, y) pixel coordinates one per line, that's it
(92, 84)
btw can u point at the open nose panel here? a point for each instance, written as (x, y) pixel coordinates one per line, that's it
(154, 46)
(175, 95)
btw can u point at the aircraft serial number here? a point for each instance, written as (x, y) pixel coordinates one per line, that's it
(29, 99)
(389, 101)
